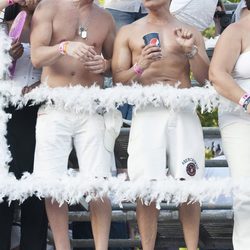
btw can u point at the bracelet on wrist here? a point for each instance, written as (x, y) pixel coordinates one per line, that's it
(246, 103)
(63, 48)
(192, 53)
(138, 70)
(243, 99)
(10, 2)
(105, 65)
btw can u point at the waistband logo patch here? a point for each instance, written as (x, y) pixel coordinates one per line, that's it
(191, 166)
(191, 169)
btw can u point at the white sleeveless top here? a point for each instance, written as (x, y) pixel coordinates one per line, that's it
(25, 73)
(230, 112)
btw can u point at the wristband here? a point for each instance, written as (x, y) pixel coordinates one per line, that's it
(246, 103)
(137, 69)
(105, 66)
(192, 53)
(63, 47)
(243, 99)
(10, 2)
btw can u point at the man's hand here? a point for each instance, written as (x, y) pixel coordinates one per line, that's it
(150, 53)
(97, 65)
(16, 50)
(185, 38)
(27, 89)
(80, 51)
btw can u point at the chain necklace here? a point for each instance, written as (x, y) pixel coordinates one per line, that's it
(83, 28)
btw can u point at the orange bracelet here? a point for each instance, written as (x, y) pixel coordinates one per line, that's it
(63, 48)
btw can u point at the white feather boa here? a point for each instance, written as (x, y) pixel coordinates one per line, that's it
(92, 99)
(5, 156)
(5, 59)
(72, 187)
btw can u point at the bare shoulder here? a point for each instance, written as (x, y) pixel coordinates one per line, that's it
(47, 4)
(230, 40)
(232, 32)
(103, 14)
(129, 29)
(125, 31)
(47, 7)
(234, 28)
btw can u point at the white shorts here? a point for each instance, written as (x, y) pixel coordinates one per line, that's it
(161, 138)
(57, 132)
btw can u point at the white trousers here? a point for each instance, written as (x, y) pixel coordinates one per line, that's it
(235, 140)
(56, 133)
(160, 137)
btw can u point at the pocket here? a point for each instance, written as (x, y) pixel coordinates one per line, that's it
(113, 123)
(46, 121)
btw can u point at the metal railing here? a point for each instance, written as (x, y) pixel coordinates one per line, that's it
(216, 219)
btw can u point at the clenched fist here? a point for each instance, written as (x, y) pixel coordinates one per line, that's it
(185, 38)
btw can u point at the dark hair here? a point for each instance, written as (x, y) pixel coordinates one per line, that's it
(222, 12)
(248, 4)
(11, 12)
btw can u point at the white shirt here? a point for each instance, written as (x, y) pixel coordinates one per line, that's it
(240, 7)
(25, 73)
(125, 5)
(196, 13)
(187, 11)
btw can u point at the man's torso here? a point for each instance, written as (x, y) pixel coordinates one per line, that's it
(173, 67)
(68, 70)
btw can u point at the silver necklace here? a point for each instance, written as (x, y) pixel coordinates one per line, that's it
(83, 32)
(83, 28)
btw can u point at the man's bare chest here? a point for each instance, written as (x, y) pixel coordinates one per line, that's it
(72, 29)
(168, 42)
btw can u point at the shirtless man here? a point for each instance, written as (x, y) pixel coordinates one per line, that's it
(68, 38)
(182, 51)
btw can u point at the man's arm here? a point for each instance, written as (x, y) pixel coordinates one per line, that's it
(122, 68)
(199, 62)
(41, 33)
(42, 54)
(122, 59)
(108, 45)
